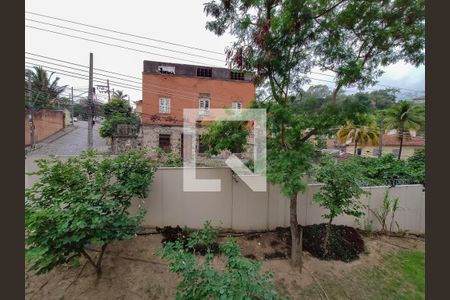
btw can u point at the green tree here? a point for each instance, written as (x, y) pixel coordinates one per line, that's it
(339, 194)
(354, 39)
(117, 112)
(403, 117)
(83, 201)
(359, 134)
(44, 89)
(273, 39)
(221, 135)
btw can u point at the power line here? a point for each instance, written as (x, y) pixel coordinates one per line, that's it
(124, 33)
(101, 28)
(123, 40)
(75, 64)
(113, 45)
(151, 84)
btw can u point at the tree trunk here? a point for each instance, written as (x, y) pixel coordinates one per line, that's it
(296, 249)
(401, 145)
(327, 238)
(335, 92)
(356, 147)
(99, 260)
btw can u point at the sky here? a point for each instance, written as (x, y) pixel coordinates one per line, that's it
(173, 21)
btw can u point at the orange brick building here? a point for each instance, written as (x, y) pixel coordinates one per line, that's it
(168, 88)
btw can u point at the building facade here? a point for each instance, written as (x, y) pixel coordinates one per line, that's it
(168, 88)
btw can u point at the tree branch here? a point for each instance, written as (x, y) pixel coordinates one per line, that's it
(329, 9)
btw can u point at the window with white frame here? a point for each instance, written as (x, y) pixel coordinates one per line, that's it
(164, 105)
(203, 105)
(236, 105)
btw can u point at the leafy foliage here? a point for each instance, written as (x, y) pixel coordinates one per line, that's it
(341, 191)
(389, 206)
(117, 112)
(83, 201)
(403, 117)
(220, 135)
(45, 90)
(241, 278)
(282, 40)
(205, 240)
(389, 170)
(359, 134)
(355, 38)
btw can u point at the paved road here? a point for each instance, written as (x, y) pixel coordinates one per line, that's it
(72, 143)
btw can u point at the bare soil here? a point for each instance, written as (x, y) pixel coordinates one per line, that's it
(132, 271)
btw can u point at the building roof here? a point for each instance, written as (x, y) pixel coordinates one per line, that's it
(388, 140)
(198, 71)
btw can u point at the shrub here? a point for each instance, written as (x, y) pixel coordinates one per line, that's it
(205, 240)
(389, 170)
(241, 278)
(82, 201)
(340, 193)
(197, 242)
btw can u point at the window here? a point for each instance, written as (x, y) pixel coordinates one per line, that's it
(166, 70)
(204, 72)
(236, 75)
(203, 105)
(164, 142)
(237, 105)
(164, 105)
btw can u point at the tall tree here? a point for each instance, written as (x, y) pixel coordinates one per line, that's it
(403, 117)
(361, 135)
(356, 38)
(273, 40)
(45, 89)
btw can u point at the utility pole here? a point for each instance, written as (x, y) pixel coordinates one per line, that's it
(109, 95)
(30, 113)
(90, 101)
(71, 102)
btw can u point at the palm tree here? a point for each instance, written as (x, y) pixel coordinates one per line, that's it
(44, 89)
(359, 134)
(119, 95)
(403, 117)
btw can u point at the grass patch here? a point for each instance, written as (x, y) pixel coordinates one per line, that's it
(399, 276)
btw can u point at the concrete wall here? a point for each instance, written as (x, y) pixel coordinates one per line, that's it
(46, 122)
(239, 208)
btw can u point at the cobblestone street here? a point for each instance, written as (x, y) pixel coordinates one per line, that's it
(72, 143)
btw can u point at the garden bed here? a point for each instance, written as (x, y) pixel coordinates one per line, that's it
(132, 271)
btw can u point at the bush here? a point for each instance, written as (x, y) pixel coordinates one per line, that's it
(109, 125)
(389, 170)
(198, 242)
(345, 242)
(82, 201)
(241, 278)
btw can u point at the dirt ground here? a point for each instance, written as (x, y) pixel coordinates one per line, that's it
(132, 271)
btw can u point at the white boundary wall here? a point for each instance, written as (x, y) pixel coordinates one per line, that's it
(237, 207)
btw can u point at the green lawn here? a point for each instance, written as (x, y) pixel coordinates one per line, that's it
(400, 276)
